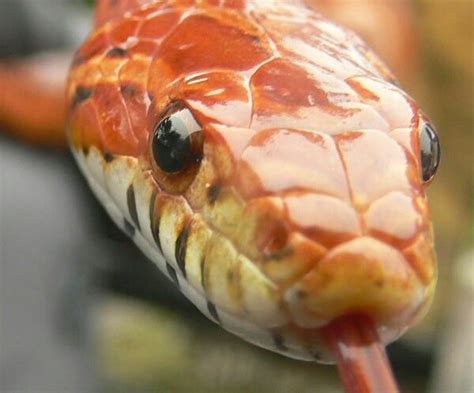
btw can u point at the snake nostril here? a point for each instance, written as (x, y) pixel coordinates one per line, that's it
(213, 192)
(275, 241)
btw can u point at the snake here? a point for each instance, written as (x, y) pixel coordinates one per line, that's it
(266, 161)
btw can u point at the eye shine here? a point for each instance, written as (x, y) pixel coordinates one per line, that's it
(430, 152)
(172, 145)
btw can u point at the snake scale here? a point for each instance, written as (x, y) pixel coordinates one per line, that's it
(265, 159)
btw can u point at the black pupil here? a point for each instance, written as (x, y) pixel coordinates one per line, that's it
(172, 145)
(430, 152)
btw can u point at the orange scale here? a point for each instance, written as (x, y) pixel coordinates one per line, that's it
(365, 93)
(135, 98)
(184, 3)
(161, 78)
(84, 126)
(145, 48)
(110, 68)
(236, 4)
(159, 25)
(87, 75)
(135, 71)
(147, 12)
(123, 31)
(231, 113)
(290, 87)
(202, 42)
(220, 96)
(118, 136)
(97, 44)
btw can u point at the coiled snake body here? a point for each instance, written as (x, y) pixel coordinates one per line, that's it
(264, 159)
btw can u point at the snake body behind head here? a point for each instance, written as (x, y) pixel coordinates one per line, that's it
(264, 159)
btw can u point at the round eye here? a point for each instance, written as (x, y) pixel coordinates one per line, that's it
(430, 151)
(176, 141)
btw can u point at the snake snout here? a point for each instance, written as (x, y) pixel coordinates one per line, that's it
(360, 276)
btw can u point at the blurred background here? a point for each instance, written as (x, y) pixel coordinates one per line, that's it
(81, 310)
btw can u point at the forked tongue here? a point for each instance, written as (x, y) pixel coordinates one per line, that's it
(361, 359)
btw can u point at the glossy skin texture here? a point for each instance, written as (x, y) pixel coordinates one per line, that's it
(308, 202)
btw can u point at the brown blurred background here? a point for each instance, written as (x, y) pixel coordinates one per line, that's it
(82, 311)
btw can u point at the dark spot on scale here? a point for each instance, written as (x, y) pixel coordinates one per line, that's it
(230, 276)
(155, 223)
(129, 228)
(213, 311)
(213, 193)
(203, 276)
(180, 248)
(255, 39)
(132, 205)
(82, 94)
(85, 150)
(128, 90)
(108, 157)
(279, 342)
(117, 52)
(172, 274)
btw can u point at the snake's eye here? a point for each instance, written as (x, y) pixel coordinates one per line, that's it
(430, 151)
(176, 141)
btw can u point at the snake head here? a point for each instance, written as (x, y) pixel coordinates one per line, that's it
(272, 160)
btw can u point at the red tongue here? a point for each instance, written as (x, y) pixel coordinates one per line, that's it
(361, 359)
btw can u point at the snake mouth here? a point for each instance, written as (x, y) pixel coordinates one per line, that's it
(278, 300)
